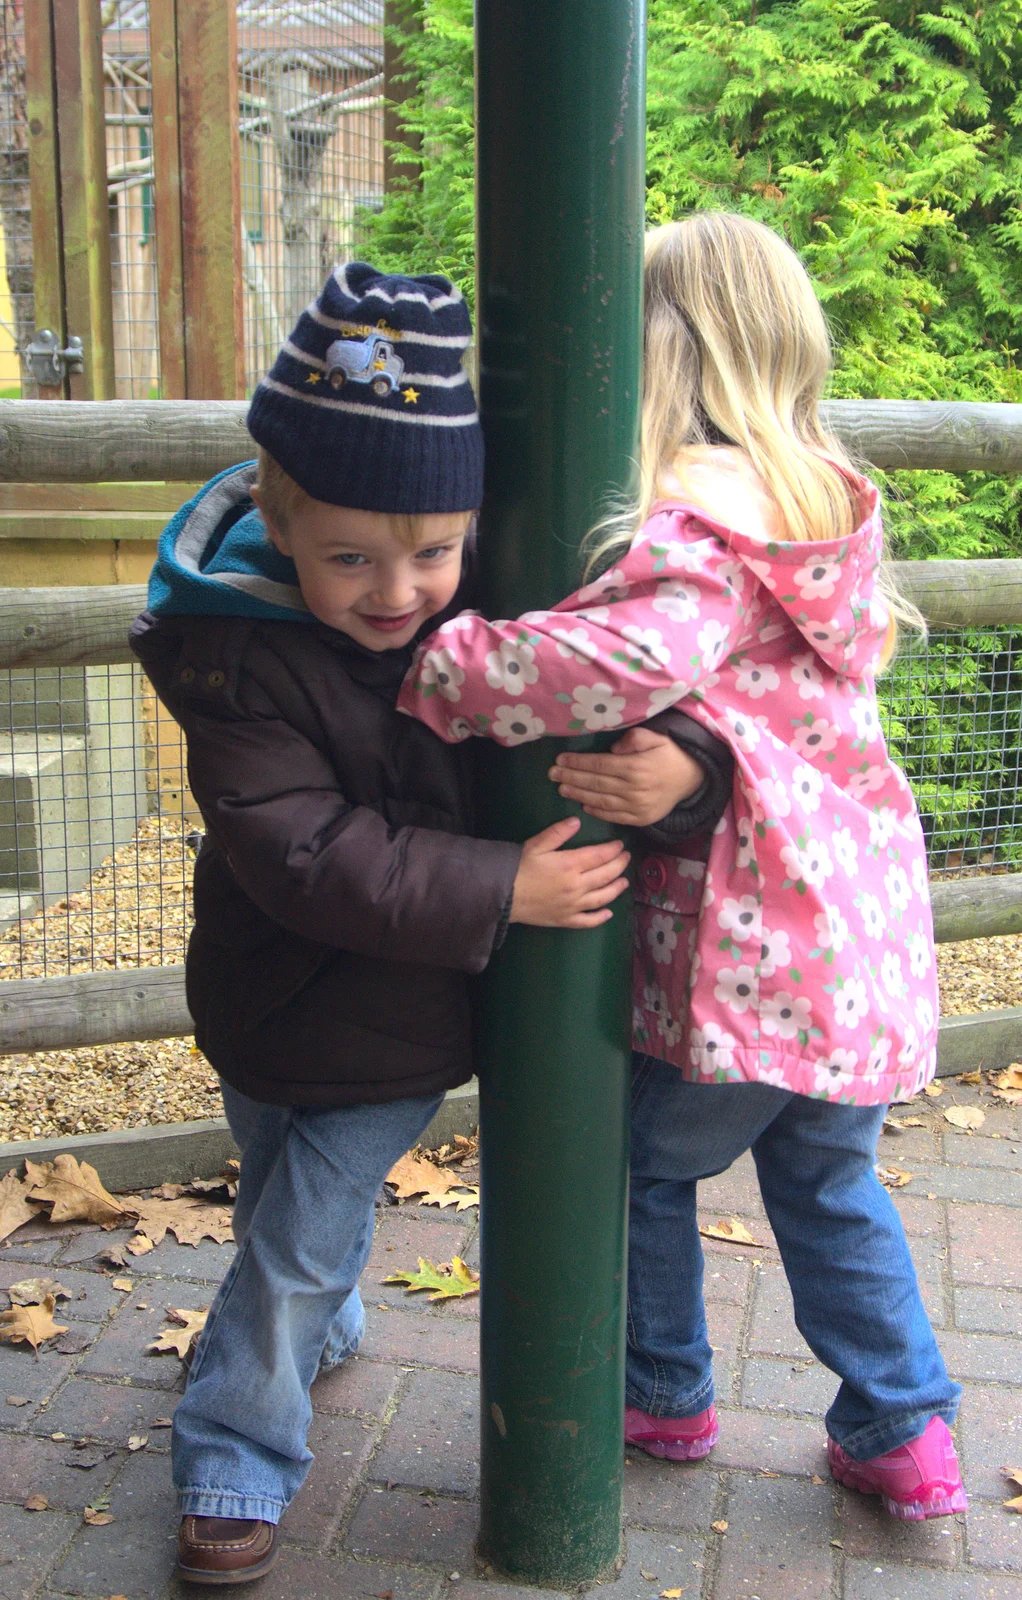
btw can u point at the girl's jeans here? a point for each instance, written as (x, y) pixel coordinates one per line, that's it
(304, 1225)
(857, 1301)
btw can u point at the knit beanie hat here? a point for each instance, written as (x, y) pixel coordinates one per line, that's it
(367, 405)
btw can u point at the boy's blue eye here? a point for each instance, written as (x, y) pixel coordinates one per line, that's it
(433, 551)
(349, 558)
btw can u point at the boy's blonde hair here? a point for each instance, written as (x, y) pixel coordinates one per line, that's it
(736, 351)
(283, 499)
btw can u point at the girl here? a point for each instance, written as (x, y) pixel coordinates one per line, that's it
(785, 986)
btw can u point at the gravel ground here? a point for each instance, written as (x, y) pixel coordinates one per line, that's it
(133, 913)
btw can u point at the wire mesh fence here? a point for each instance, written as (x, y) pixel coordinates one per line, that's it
(310, 118)
(98, 831)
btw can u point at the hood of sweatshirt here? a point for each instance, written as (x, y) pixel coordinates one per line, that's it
(216, 559)
(827, 588)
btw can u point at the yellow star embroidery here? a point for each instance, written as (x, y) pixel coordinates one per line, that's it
(314, 377)
(378, 366)
(411, 396)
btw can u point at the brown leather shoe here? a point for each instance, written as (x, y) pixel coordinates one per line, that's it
(224, 1549)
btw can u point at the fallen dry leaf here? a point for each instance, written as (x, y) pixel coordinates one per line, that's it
(36, 1502)
(934, 1089)
(894, 1177)
(74, 1192)
(124, 1284)
(672, 1594)
(650, 1577)
(913, 1122)
(446, 1283)
(719, 1527)
(33, 1291)
(96, 1518)
(1010, 1078)
(140, 1245)
(138, 1441)
(17, 1399)
(15, 1210)
(178, 1339)
(189, 1221)
(965, 1117)
(30, 1324)
(461, 1198)
(162, 1422)
(411, 1176)
(970, 1077)
(112, 1255)
(1014, 1473)
(818, 1482)
(733, 1231)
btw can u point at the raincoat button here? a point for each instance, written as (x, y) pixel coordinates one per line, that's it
(654, 874)
(187, 674)
(215, 679)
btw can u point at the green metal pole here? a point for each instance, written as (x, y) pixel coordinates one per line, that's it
(560, 131)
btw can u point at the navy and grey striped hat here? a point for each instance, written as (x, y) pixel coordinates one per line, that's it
(367, 405)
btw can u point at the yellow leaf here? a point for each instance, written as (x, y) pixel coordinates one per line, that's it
(974, 1077)
(15, 1210)
(446, 1283)
(30, 1324)
(121, 1283)
(1011, 1078)
(913, 1122)
(1013, 1505)
(719, 1527)
(672, 1594)
(178, 1339)
(934, 1089)
(74, 1191)
(965, 1117)
(138, 1441)
(461, 1199)
(1014, 1473)
(894, 1177)
(140, 1245)
(733, 1231)
(412, 1175)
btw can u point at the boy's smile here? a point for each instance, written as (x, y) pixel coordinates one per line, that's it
(376, 577)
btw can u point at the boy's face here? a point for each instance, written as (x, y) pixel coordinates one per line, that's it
(356, 575)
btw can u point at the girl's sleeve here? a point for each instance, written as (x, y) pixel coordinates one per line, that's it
(642, 637)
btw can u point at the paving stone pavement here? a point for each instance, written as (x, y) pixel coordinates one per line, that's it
(390, 1505)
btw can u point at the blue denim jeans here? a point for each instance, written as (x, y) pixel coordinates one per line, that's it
(289, 1304)
(857, 1302)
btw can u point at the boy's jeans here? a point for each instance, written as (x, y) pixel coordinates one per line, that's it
(304, 1225)
(857, 1301)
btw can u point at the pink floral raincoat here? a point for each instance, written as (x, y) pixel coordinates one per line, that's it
(795, 947)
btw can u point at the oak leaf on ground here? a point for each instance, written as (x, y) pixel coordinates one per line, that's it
(188, 1220)
(33, 1291)
(445, 1282)
(934, 1089)
(74, 1191)
(462, 1199)
(178, 1338)
(967, 1118)
(36, 1502)
(15, 1209)
(1007, 1085)
(894, 1177)
(733, 1231)
(411, 1175)
(30, 1324)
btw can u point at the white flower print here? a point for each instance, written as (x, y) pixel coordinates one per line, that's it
(873, 919)
(784, 1015)
(733, 574)
(860, 784)
(648, 643)
(824, 635)
(864, 715)
(755, 678)
(831, 929)
(879, 615)
(897, 885)
(740, 918)
(773, 1075)
(883, 824)
(812, 865)
(458, 624)
(690, 869)
(746, 730)
(460, 729)
(599, 616)
(685, 557)
(774, 797)
(910, 1049)
(920, 879)
(516, 725)
(511, 668)
(737, 988)
(679, 602)
(815, 738)
(597, 707)
(876, 1061)
(712, 641)
(654, 999)
(575, 644)
(745, 841)
(851, 1003)
(919, 956)
(710, 1047)
(806, 788)
(534, 618)
(661, 938)
(819, 579)
(846, 851)
(669, 1029)
(891, 974)
(774, 951)
(806, 676)
(836, 1072)
(662, 699)
(612, 586)
(924, 1013)
(440, 667)
(764, 571)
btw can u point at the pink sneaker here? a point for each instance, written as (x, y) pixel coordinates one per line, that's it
(676, 1438)
(918, 1480)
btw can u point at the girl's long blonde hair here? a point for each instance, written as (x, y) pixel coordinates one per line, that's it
(736, 352)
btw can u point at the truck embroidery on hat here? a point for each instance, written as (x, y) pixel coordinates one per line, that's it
(370, 361)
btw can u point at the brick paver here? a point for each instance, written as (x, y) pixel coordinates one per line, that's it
(390, 1508)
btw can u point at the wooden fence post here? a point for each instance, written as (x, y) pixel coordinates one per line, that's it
(197, 171)
(44, 178)
(400, 17)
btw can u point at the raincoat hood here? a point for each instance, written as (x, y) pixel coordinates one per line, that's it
(216, 559)
(837, 572)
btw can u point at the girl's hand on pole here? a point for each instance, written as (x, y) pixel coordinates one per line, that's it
(636, 783)
(558, 888)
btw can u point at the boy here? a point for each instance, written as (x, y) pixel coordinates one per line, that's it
(339, 897)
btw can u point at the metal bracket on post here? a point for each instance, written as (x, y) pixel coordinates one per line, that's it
(50, 364)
